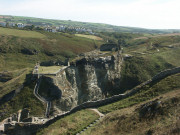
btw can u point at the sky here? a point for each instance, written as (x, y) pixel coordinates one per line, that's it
(153, 14)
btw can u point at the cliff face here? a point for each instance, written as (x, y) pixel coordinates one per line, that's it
(88, 79)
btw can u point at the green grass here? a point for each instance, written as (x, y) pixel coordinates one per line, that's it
(131, 120)
(138, 69)
(21, 33)
(89, 36)
(71, 124)
(18, 52)
(16, 80)
(24, 99)
(147, 92)
(49, 69)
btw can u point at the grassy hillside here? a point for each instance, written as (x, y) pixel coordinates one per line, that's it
(145, 58)
(157, 116)
(89, 36)
(20, 52)
(21, 33)
(23, 99)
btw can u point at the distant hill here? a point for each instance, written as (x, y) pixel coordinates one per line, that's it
(97, 27)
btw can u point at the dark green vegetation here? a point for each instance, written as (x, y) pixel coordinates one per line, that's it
(71, 124)
(48, 90)
(147, 92)
(145, 58)
(12, 80)
(97, 27)
(24, 98)
(136, 70)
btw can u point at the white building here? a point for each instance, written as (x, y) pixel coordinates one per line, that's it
(20, 25)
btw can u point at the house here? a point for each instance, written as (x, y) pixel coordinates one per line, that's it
(3, 24)
(53, 29)
(50, 29)
(20, 25)
(62, 28)
(12, 24)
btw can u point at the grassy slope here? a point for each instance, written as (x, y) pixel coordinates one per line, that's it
(89, 36)
(145, 63)
(71, 124)
(21, 33)
(13, 80)
(24, 99)
(54, 47)
(133, 120)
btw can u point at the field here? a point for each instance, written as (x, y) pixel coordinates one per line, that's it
(89, 36)
(158, 35)
(49, 69)
(21, 33)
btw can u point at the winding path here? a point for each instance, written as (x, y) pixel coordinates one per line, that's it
(48, 107)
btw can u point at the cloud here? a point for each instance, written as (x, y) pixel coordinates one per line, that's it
(137, 13)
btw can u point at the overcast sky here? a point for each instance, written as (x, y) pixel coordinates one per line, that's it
(162, 14)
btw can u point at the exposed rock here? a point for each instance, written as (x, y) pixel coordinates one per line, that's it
(89, 79)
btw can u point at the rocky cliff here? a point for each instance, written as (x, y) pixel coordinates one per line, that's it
(87, 79)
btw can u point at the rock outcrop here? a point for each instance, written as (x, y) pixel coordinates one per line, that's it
(88, 79)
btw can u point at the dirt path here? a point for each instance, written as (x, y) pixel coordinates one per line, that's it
(99, 113)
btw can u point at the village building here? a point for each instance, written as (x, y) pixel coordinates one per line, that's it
(3, 24)
(20, 25)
